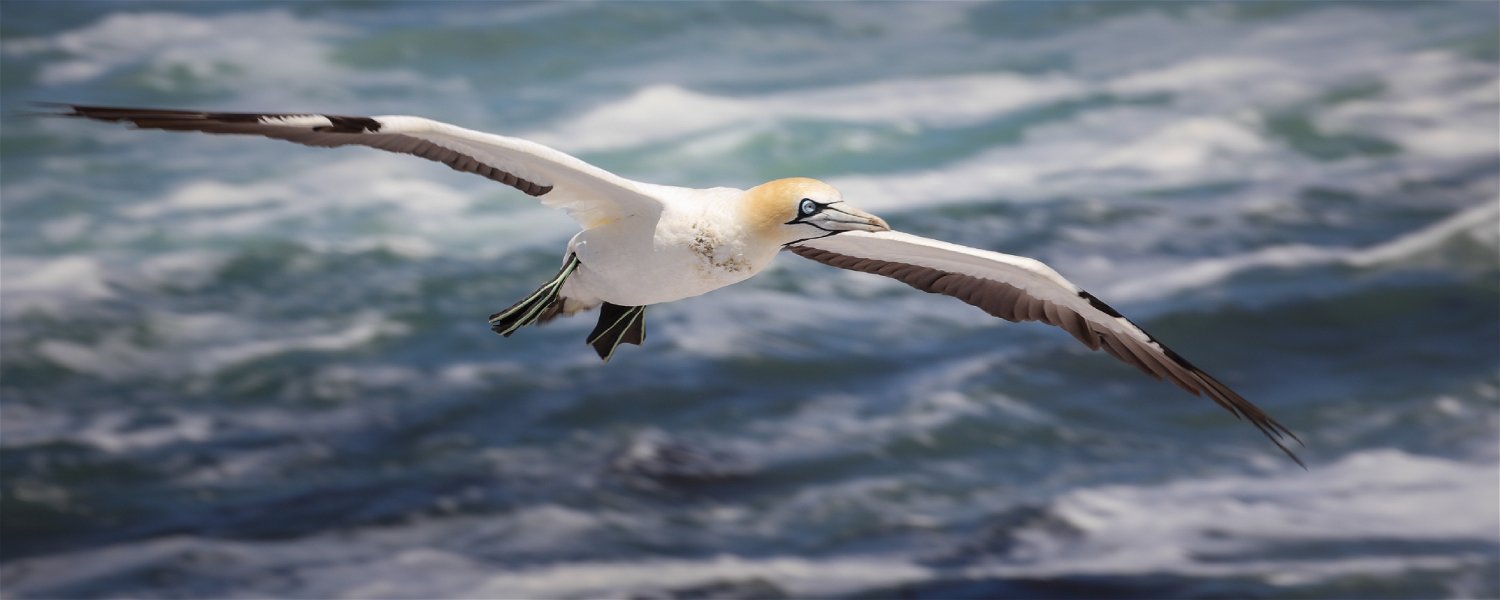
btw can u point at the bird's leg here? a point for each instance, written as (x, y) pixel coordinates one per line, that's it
(617, 325)
(540, 305)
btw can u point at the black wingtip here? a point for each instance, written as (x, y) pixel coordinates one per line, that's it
(70, 109)
(1276, 432)
(49, 109)
(1293, 456)
(86, 111)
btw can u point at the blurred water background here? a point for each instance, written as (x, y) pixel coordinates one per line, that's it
(244, 368)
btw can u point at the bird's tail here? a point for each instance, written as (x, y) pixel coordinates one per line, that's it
(541, 305)
(617, 325)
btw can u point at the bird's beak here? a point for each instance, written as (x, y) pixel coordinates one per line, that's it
(842, 217)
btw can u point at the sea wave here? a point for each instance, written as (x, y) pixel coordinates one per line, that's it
(243, 368)
(666, 112)
(1478, 225)
(1246, 526)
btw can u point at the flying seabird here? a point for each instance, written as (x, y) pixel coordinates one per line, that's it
(645, 244)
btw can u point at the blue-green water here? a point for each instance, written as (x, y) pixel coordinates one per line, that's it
(243, 368)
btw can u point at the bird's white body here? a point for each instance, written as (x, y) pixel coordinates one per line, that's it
(645, 244)
(695, 244)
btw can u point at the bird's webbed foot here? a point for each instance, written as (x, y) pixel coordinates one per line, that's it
(617, 325)
(541, 305)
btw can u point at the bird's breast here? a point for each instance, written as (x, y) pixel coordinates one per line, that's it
(719, 255)
(634, 264)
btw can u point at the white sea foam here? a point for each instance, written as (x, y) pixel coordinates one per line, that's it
(706, 327)
(1479, 224)
(1115, 151)
(1194, 528)
(1218, 527)
(112, 357)
(269, 57)
(203, 195)
(915, 406)
(109, 433)
(184, 268)
(385, 565)
(849, 423)
(804, 577)
(50, 284)
(69, 275)
(347, 180)
(364, 329)
(1370, 494)
(1234, 526)
(203, 343)
(1437, 105)
(424, 213)
(204, 46)
(110, 430)
(1199, 74)
(1196, 145)
(665, 112)
(406, 561)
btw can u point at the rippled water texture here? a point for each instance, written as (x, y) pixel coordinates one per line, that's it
(243, 368)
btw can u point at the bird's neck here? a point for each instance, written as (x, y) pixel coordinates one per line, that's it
(761, 213)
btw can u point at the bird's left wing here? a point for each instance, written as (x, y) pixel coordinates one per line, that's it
(589, 194)
(1017, 288)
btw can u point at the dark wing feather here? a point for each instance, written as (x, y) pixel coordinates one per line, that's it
(1013, 303)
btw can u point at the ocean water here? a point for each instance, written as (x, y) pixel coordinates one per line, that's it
(236, 368)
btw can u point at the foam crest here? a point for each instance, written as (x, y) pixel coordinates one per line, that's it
(1219, 527)
(666, 112)
(1436, 104)
(1367, 495)
(424, 215)
(1197, 144)
(801, 576)
(365, 329)
(202, 45)
(1198, 75)
(75, 275)
(269, 56)
(48, 284)
(1115, 150)
(1478, 224)
(353, 179)
(195, 343)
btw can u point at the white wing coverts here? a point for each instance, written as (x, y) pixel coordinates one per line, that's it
(1016, 288)
(590, 195)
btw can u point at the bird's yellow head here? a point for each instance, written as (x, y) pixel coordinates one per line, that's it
(798, 208)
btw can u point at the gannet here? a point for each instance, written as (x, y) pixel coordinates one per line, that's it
(644, 244)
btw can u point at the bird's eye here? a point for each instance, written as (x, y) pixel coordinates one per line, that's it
(808, 207)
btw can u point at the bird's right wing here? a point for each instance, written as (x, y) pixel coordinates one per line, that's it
(589, 194)
(1017, 288)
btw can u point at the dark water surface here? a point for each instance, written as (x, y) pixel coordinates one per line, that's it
(241, 368)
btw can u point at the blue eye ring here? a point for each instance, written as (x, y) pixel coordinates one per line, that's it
(807, 207)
